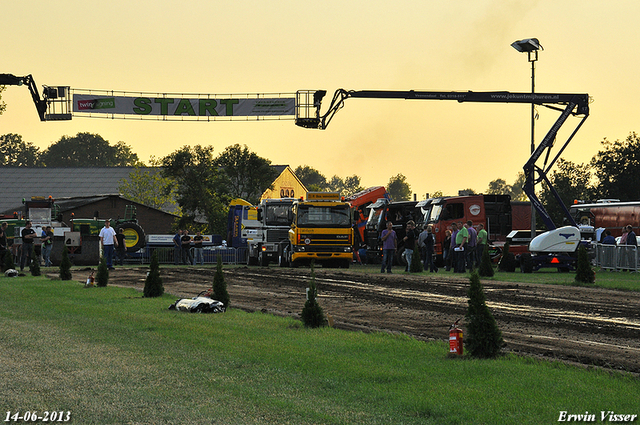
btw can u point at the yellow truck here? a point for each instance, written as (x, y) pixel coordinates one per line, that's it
(321, 231)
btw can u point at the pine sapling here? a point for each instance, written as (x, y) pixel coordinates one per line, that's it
(220, 286)
(102, 277)
(483, 338)
(65, 265)
(153, 286)
(416, 263)
(584, 272)
(34, 267)
(8, 261)
(312, 314)
(486, 267)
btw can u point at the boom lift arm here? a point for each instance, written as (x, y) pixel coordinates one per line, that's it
(309, 116)
(41, 104)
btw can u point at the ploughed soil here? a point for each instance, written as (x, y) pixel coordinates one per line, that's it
(582, 325)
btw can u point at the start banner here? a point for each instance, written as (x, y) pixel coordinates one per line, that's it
(183, 107)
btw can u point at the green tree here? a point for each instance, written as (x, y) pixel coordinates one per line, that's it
(88, 150)
(65, 265)
(3, 106)
(247, 174)
(34, 267)
(500, 187)
(219, 285)
(15, 152)
(201, 193)
(153, 286)
(312, 179)
(584, 273)
(486, 267)
(399, 189)
(483, 338)
(312, 314)
(571, 181)
(150, 187)
(617, 169)
(346, 187)
(102, 277)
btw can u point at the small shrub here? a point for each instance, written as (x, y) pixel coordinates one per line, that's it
(416, 262)
(483, 338)
(508, 261)
(486, 267)
(102, 278)
(153, 286)
(584, 273)
(312, 314)
(65, 266)
(8, 261)
(34, 267)
(220, 286)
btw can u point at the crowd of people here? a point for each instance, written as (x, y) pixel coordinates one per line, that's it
(182, 244)
(462, 247)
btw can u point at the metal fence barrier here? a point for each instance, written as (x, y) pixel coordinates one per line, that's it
(210, 256)
(612, 257)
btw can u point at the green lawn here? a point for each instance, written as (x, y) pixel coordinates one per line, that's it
(109, 356)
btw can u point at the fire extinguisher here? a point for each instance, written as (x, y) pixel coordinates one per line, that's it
(455, 339)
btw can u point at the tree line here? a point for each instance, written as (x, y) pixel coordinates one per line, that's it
(191, 182)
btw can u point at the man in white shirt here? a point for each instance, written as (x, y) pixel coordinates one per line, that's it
(108, 240)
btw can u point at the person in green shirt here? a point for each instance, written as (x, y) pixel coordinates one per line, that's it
(481, 244)
(461, 240)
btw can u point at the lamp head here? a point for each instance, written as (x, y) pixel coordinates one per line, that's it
(527, 45)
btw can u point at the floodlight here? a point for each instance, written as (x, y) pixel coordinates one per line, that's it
(527, 45)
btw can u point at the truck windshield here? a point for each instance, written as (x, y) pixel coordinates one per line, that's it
(435, 213)
(315, 216)
(374, 217)
(278, 215)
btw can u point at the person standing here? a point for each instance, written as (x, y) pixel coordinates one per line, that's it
(470, 250)
(446, 250)
(481, 243)
(453, 254)
(28, 235)
(108, 239)
(177, 247)
(47, 244)
(197, 249)
(409, 244)
(3, 242)
(429, 245)
(122, 246)
(461, 240)
(389, 246)
(186, 248)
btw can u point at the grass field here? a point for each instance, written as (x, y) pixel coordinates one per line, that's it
(108, 356)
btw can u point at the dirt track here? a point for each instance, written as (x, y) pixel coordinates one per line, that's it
(589, 326)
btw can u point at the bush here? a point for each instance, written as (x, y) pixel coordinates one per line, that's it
(584, 273)
(34, 267)
(416, 262)
(508, 261)
(486, 267)
(65, 266)
(312, 314)
(102, 278)
(8, 261)
(153, 286)
(483, 339)
(220, 286)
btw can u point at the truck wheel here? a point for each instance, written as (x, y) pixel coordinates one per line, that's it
(134, 235)
(251, 261)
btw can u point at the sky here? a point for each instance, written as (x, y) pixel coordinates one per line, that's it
(214, 47)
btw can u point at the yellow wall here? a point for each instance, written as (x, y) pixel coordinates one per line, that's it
(286, 185)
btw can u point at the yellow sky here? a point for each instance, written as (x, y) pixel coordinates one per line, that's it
(205, 46)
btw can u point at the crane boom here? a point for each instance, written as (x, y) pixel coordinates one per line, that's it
(309, 116)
